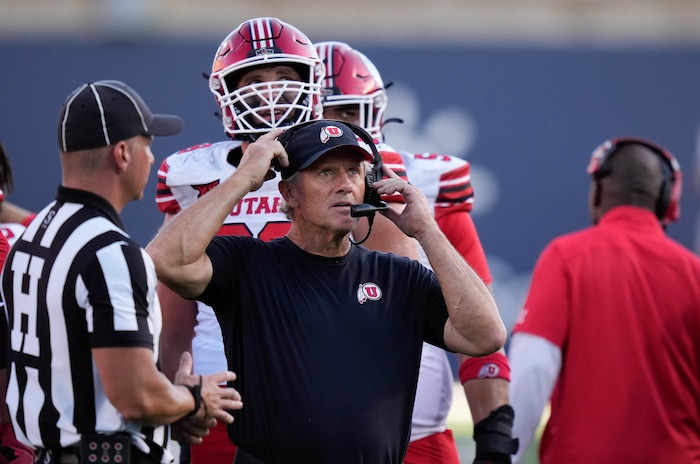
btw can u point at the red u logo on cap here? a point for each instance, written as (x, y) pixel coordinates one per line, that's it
(330, 131)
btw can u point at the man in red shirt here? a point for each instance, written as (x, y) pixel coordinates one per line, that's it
(609, 330)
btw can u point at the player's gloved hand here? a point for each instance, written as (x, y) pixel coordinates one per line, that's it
(494, 437)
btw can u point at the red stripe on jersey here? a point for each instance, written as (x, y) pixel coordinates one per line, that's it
(165, 201)
(455, 188)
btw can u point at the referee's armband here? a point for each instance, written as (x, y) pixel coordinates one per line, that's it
(493, 366)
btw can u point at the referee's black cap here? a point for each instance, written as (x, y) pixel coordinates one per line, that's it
(307, 142)
(101, 113)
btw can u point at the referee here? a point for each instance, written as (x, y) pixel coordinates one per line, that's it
(81, 300)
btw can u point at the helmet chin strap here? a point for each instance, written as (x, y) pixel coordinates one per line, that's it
(370, 221)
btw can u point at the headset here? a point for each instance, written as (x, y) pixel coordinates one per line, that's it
(668, 207)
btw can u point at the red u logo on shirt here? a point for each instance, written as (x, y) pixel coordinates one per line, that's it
(368, 291)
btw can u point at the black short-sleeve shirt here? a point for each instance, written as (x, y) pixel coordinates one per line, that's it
(327, 350)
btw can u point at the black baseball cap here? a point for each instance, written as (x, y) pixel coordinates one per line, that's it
(101, 113)
(307, 142)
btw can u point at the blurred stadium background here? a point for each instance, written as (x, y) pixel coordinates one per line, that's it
(516, 21)
(523, 89)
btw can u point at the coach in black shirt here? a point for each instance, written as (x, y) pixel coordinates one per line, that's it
(81, 298)
(326, 334)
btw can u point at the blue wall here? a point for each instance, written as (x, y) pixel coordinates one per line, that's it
(526, 118)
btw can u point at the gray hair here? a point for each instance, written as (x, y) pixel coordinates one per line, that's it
(284, 208)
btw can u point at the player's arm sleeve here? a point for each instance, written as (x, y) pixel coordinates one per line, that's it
(460, 230)
(534, 368)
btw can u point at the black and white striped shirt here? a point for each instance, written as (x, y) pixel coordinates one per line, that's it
(73, 282)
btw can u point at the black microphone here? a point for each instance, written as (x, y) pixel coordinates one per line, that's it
(365, 209)
(369, 210)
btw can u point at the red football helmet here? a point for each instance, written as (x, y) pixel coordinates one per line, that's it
(351, 78)
(263, 106)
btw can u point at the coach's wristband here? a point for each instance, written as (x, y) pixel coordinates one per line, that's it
(196, 391)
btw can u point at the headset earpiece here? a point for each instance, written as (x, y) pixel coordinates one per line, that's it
(666, 207)
(371, 176)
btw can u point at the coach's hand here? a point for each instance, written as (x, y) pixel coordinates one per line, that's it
(415, 219)
(261, 158)
(212, 399)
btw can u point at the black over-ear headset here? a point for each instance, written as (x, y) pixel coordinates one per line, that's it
(372, 202)
(668, 208)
